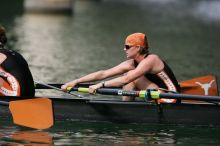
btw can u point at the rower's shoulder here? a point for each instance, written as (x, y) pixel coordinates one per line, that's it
(2, 57)
(14, 56)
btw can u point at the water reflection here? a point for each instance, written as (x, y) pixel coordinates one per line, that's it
(83, 133)
(94, 133)
(33, 138)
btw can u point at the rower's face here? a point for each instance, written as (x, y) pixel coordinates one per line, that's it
(131, 51)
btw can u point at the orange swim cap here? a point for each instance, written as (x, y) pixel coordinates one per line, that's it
(137, 39)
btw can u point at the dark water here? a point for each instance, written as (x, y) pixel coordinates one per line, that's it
(83, 133)
(62, 47)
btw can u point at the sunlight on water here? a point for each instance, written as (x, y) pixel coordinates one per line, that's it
(208, 10)
(43, 36)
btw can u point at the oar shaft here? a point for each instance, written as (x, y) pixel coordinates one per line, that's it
(49, 86)
(189, 97)
(52, 87)
(149, 95)
(110, 91)
(41, 86)
(5, 103)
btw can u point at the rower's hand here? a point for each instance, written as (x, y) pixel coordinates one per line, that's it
(69, 84)
(93, 88)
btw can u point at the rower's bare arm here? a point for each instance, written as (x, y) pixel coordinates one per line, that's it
(144, 67)
(102, 74)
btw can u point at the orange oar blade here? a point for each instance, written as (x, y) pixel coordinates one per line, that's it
(34, 113)
(206, 85)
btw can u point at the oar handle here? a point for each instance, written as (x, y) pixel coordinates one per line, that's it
(109, 91)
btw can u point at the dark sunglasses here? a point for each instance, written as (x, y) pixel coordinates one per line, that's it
(127, 47)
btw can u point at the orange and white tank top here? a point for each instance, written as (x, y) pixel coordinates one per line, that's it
(10, 86)
(164, 79)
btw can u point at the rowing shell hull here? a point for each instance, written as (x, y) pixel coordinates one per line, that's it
(132, 112)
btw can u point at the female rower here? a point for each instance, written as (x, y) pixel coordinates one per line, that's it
(15, 76)
(142, 70)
